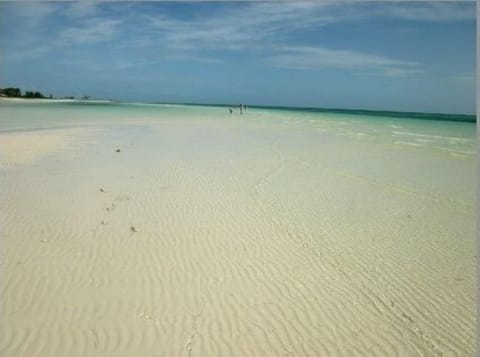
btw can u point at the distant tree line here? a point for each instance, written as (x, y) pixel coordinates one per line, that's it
(17, 93)
(29, 94)
(11, 92)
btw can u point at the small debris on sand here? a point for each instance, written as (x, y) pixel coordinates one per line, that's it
(102, 190)
(118, 150)
(103, 222)
(133, 229)
(108, 208)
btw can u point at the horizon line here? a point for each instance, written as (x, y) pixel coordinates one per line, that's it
(263, 106)
(313, 108)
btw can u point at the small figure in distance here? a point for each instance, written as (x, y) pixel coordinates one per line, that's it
(241, 108)
(230, 110)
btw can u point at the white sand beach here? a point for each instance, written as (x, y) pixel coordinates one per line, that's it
(267, 234)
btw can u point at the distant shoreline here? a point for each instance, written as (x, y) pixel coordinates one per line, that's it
(53, 100)
(380, 113)
(468, 118)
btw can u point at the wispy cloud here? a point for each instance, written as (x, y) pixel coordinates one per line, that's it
(239, 26)
(317, 58)
(463, 78)
(190, 58)
(258, 26)
(24, 54)
(80, 9)
(91, 31)
(120, 64)
(432, 11)
(267, 29)
(403, 72)
(32, 14)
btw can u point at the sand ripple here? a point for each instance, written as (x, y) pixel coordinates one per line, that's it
(248, 241)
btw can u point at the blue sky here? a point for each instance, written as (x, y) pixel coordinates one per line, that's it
(395, 55)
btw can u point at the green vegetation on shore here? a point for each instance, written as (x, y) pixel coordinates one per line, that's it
(17, 93)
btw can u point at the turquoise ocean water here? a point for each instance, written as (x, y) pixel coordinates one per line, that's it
(447, 132)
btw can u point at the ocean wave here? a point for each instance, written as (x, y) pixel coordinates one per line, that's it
(450, 138)
(408, 143)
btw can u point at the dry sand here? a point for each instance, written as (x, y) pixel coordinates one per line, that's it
(24, 147)
(251, 240)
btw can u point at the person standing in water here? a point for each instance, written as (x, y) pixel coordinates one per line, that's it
(230, 110)
(241, 109)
